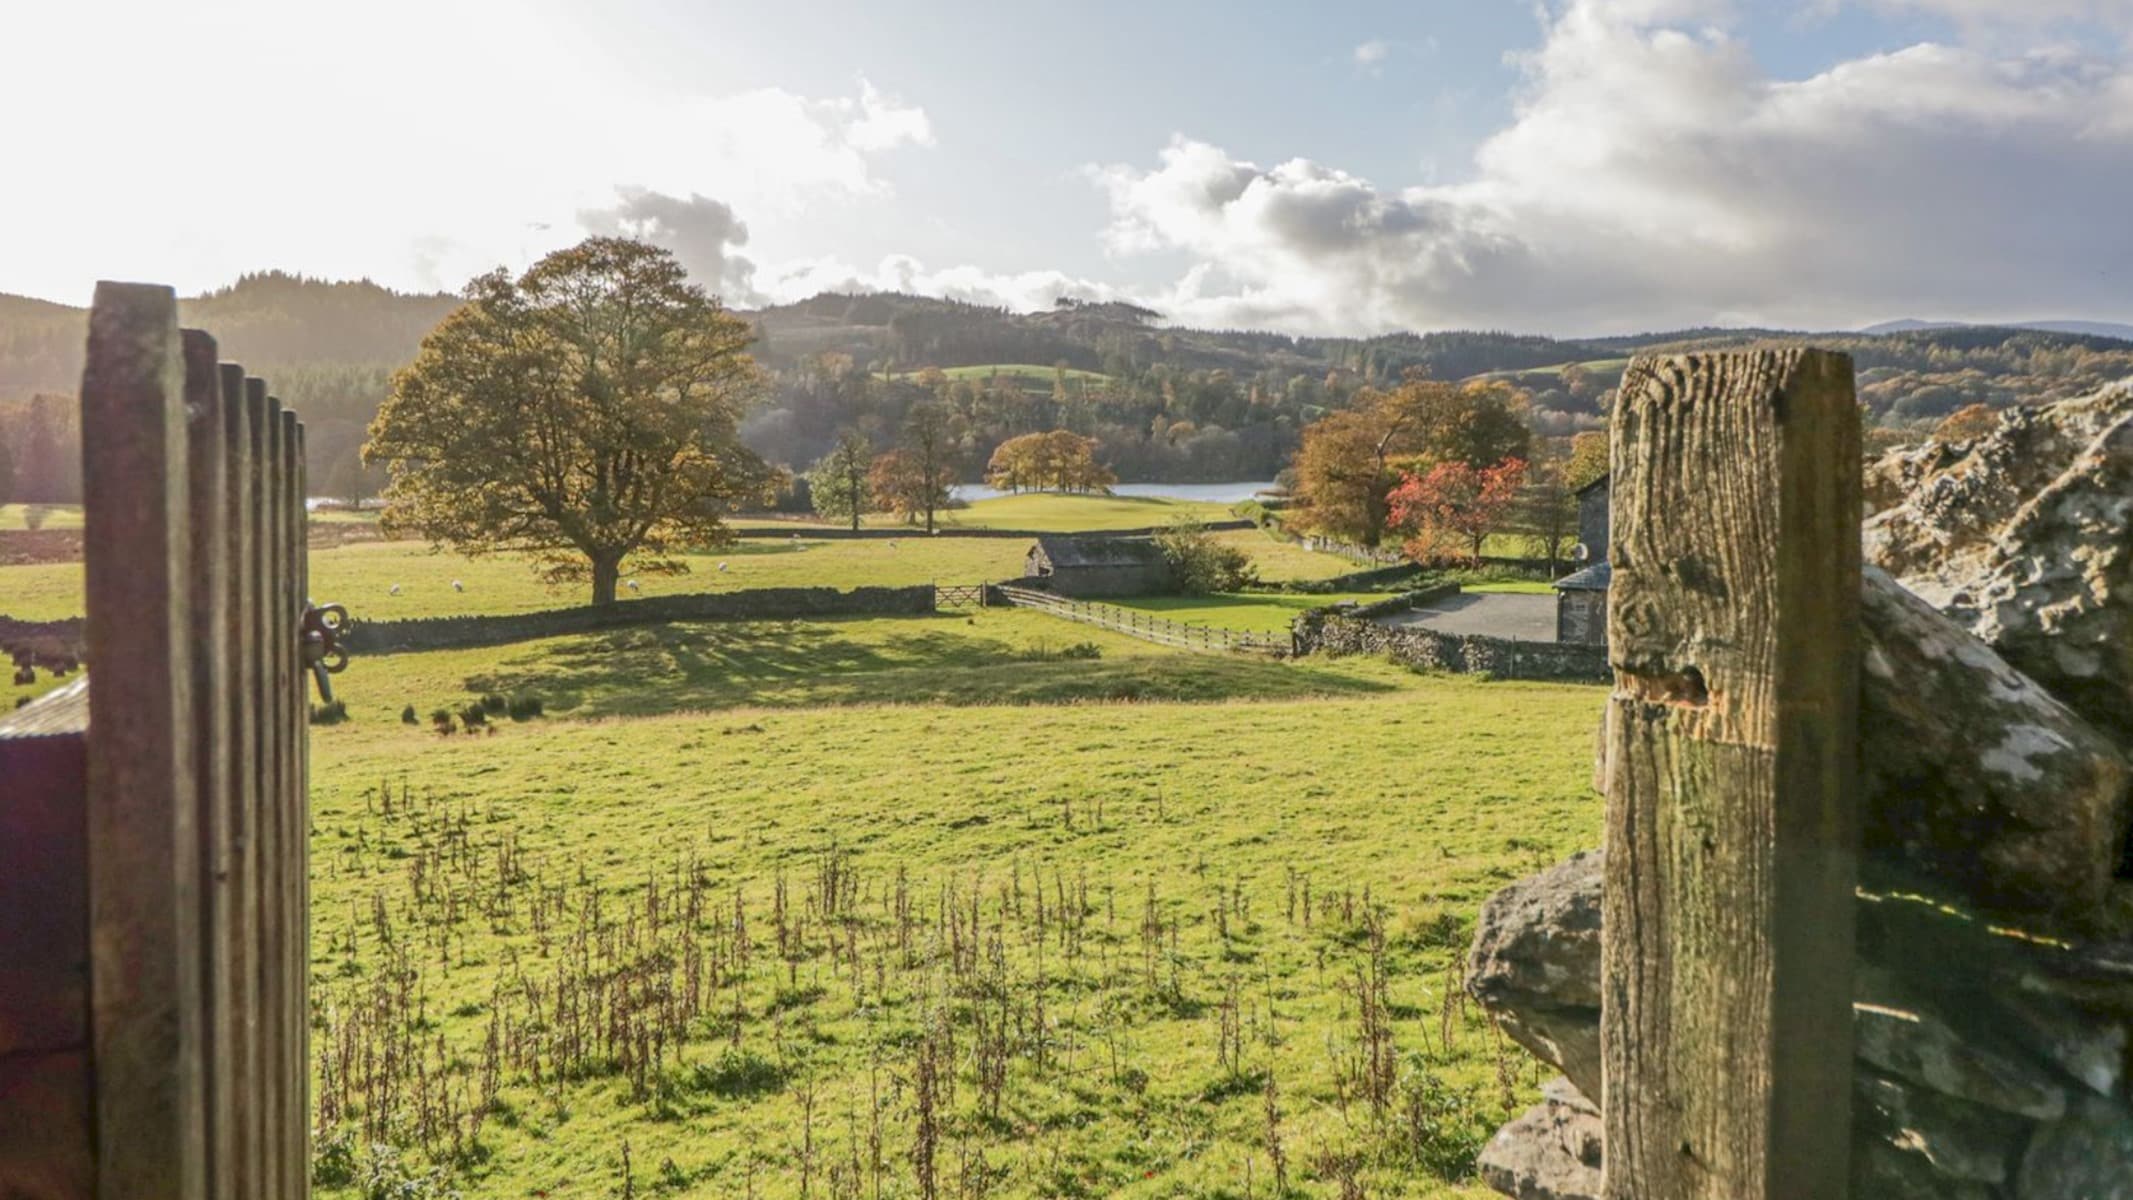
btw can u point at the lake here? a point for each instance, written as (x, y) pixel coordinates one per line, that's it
(1212, 493)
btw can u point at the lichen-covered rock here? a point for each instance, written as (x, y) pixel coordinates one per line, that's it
(1968, 1034)
(1550, 1153)
(2087, 1156)
(1946, 1043)
(1884, 1172)
(2025, 537)
(1977, 776)
(1958, 1139)
(1937, 502)
(1535, 966)
(2086, 1046)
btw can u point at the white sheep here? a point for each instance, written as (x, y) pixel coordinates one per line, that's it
(631, 584)
(722, 566)
(458, 586)
(394, 591)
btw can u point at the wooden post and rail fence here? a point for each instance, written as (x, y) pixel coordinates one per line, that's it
(153, 898)
(1144, 625)
(154, 936)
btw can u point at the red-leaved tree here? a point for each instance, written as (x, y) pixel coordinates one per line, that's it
(1454, 505)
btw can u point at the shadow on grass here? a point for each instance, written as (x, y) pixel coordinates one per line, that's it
(642, 672)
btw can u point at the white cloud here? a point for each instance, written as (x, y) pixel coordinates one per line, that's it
(884, 123)
(1655, 175)
(1372, 53)
(480, 145)
(703, 234)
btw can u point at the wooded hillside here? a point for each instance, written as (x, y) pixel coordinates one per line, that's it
(1163, 403)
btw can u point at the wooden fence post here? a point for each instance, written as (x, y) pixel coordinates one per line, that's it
(244, 617)
(208, 468)
(1732, 825)
(143, 793)
(296, 815)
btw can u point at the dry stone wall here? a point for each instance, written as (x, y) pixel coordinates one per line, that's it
(1994, 981)
(757, 604)
(1341, 632)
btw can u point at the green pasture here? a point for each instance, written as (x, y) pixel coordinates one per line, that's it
(52, 516)
(1000, 656)
(1052, 512)
(1048, 921)
(1246, 612)
(363, 575)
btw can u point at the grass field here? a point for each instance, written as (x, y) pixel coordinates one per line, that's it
(784, 909)
(1051, 512)
(362, 574)
(779, 909)
(55, 516)
(1251, 612)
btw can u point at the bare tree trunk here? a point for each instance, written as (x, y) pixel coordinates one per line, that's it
(607, 571)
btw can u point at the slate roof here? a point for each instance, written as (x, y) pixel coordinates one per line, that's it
(1594, 578)
(1069, 552)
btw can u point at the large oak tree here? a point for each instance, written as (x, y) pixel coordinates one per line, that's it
(584, 413)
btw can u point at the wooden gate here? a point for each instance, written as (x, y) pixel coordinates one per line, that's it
(153, 900)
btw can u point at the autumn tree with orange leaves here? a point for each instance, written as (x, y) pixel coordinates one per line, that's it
(1454, 505)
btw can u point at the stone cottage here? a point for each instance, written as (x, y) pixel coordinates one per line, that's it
(1581, 597)
(1098, 566)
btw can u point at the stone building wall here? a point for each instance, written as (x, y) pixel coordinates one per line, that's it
(1581, 617)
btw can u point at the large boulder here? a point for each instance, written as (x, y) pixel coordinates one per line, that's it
(1550, 1153)
(1535, 966)
(2025, 538)
(1981, 1054)
(1975, 775)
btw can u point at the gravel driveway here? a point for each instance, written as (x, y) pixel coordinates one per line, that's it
(1525, 618)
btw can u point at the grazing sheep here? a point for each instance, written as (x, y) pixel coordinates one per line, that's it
(722, 566)
(458, 586)
(394, 590)
(631, 584)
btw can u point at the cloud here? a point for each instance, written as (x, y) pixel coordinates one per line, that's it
(1371, 54)
(702, 233)
(884, 124)
(1654, 174)
(767, 150)
(2032, 14)
(775, 149)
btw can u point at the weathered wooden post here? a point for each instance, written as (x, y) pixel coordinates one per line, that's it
(143, 794)
(152, 827)
(1732, 830)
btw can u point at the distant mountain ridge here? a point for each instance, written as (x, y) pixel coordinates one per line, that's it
(1172, 401)
(2106, 329)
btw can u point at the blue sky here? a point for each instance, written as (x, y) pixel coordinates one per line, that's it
(1573, 166)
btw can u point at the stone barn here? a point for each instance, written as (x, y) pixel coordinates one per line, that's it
(1098, 566)
(1581, 597)
(1581, 606)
